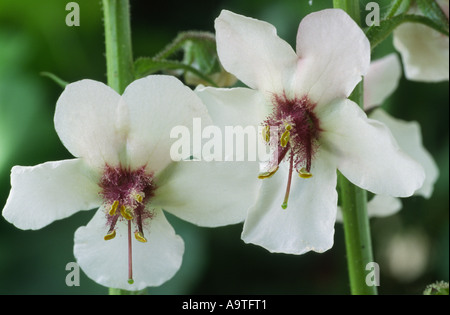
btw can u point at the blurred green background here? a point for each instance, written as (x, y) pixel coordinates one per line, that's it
(412, 247)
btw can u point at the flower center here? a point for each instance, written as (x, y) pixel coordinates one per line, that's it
(125, 194)
(292, 131)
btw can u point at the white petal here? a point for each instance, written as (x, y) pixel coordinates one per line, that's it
(51, 191)
(157, 104)
(237, 115)
(234, 107)
(409, 138)
(383, 206)
(424, 51)
(208, 193)
(307, 223)
(334, 53)
(367, 153)
(252, 51)
(378, 206)
(381, 80)
(87, 119)
(106, 262)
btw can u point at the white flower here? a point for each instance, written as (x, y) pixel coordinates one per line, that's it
(123, 167)
(424, 51)
(304, 94)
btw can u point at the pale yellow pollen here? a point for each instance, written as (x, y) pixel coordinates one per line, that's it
(138, 197)
(266, 133)
(285, 137)
(140, 237)
(303, 173)
(110, 235)
(269, 173)
(113, 209)
(125, 212)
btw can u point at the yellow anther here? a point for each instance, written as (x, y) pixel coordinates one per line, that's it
(138, 197)
(266, 133)
(140, 237)
(110, 235)
(288, 127)
(113, 209)
(125, 212)
(285, 137)
(303, 173)
(268, 173)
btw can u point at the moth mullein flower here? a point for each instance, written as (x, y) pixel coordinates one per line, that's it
(123, 168)
(301, 97)
(424, 50)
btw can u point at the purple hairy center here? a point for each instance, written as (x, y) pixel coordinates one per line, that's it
(129, 190)
(294, 132)
(304, 129)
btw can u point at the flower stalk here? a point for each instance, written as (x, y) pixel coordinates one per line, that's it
(119, 56)
(354, 200)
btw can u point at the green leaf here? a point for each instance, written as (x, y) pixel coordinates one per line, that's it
(376, 34)
(433, 11)
(146, 66)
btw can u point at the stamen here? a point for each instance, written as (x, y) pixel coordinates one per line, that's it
(130, 256)
(288, 188)
(285, 137)
(268, 174)
(138, 197)
(125, 212)
(113, 209)
(266, 133)
(303, 173)
(140, 237)
(110, 235)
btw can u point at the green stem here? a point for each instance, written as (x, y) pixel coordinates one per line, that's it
(349, 6)
(113, 291)
(119, 61)
(354, 201)
(119, 56)
(181, 39)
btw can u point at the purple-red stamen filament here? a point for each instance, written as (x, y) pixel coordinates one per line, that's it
(288, 187)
